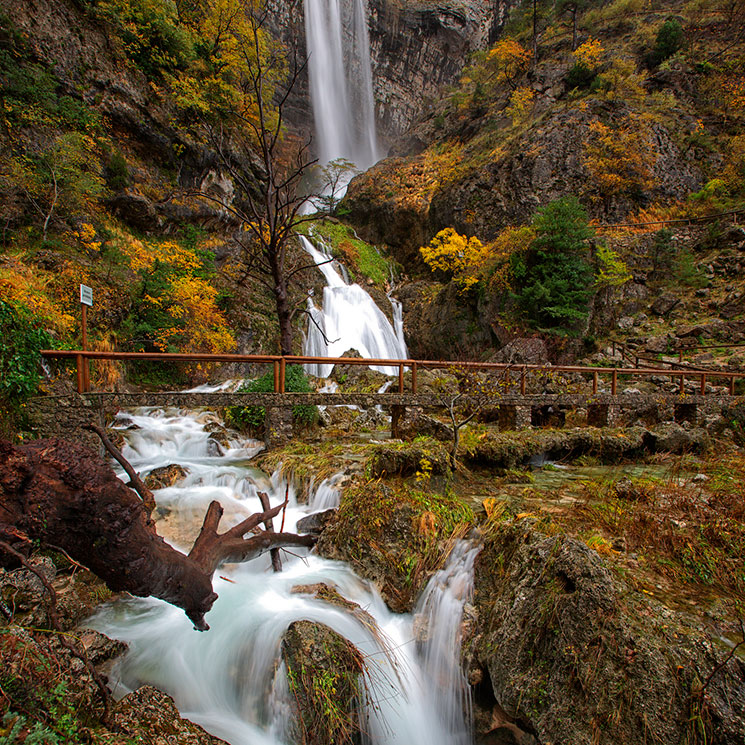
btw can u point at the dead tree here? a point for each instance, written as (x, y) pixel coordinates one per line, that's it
(61, 494)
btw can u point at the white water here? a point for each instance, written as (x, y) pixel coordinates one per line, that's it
(349, 319)
(230, 679)
(341, 81)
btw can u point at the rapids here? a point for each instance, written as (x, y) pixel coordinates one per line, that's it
(231, 679)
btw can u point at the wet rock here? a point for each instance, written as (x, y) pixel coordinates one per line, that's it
(165, 476)
(560, 645)
(151, 713)
(315, 523)
(672, 438)
(325, 676)
(416, 423)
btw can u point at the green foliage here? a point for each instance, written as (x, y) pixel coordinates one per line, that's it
(669, 40)
(252, 417)
(152, 35)
(358, 256)
(31, 94)
(612, 269)
(580, 76)
(13, 726)
(117, 172)
(21, 340)
(553, 277)
(662, 251)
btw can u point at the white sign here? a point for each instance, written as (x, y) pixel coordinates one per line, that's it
(86, 295)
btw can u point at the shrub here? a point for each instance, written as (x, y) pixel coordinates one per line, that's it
(580, 76)
(21, 340)
(669, 40)
(252, 418)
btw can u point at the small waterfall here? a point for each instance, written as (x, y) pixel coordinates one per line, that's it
(231, 679)
(341, 80)
(350, 319)
(441, 609)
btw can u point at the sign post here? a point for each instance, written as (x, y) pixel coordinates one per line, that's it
(86, 299)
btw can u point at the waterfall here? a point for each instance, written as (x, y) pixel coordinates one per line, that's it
(341, 80)
(231, 680)
(349, 319)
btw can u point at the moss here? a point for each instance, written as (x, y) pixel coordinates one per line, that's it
(325, 673)
(361, 258)
(395, 534)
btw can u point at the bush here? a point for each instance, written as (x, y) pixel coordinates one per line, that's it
(669, 40)
(21, 340)
(251, 418)
(580, 76)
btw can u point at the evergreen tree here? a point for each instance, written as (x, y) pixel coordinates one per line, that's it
(554, 274)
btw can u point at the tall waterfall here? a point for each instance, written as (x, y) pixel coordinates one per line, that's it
(349, 319)
(231, 679)
(341, 80)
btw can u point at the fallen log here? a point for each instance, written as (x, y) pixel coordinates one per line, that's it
(64, 495)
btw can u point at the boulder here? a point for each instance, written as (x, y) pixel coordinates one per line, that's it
(664, 304)
(165, 476)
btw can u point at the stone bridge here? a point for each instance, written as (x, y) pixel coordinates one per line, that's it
(63, 416)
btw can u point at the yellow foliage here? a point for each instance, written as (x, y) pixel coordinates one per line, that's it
(457, 255)
(619, 159)
(590, 54)
(621, 82)
(35, 290)
(86, 234)
(204, 325)
(507, 60)
(509, 241)
(520, 105)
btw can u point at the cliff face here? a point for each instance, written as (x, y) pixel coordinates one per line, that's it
(415, 50)
(418, 49)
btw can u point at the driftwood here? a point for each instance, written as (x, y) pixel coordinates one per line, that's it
(62, 494)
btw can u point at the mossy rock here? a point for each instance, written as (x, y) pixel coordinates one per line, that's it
(406, 459)
(394, 534)
(325, 673)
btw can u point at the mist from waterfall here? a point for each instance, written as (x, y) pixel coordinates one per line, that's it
(341, 81)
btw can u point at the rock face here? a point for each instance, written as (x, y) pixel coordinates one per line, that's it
(417, 49)
(558, 653)
(414, 50)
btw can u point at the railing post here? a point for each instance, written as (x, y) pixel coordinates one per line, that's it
(276, 376)
(680, 355)
(81, 377)
(703, 383)
(413, 377)
(682, 383)
(594, 382)
(614, 383)
(732, 386)
(400, 377)
(522, 381)
(507, 379)
(282, 373)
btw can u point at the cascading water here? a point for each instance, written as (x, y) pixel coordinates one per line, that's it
(341, 81)
(231, 679)
(349, 319)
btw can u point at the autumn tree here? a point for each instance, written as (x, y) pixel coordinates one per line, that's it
(456, 255)
(507, 61)
(266, 208)
(619, 158)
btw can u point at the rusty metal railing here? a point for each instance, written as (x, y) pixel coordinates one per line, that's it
(279, 364)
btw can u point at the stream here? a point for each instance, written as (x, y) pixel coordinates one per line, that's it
(231, 679)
